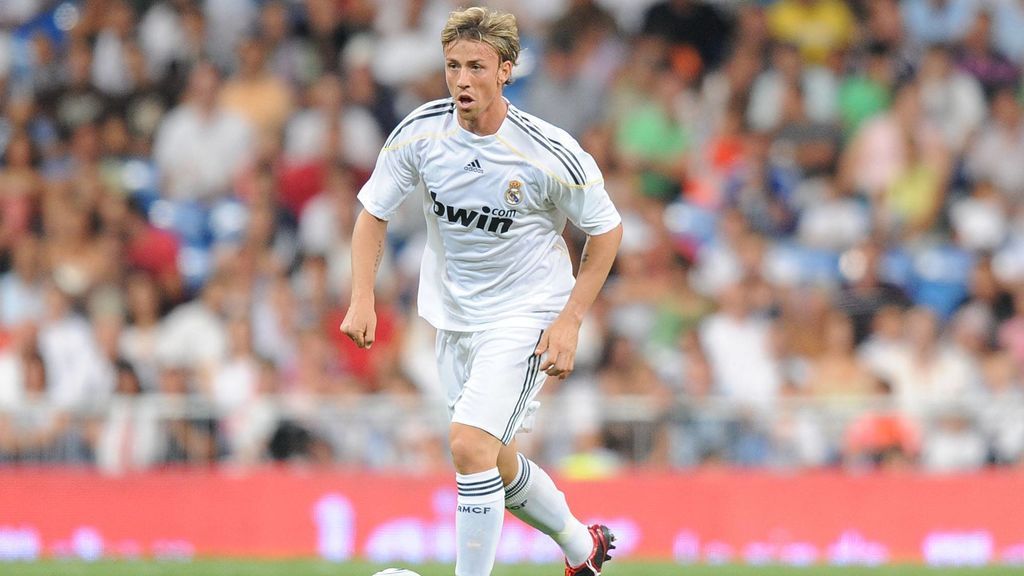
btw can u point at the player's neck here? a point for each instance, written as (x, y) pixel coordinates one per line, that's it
(489, 121)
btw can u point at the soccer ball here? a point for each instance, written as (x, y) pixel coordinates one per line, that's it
(396, 572)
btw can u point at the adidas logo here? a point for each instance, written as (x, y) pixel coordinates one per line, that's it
(474, 166)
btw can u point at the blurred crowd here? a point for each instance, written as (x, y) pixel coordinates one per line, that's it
(823, 261)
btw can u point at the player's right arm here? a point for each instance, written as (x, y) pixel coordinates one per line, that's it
(393, 178)
(368, 239)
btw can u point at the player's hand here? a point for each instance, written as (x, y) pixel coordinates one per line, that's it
(559, 342)
(360, 323)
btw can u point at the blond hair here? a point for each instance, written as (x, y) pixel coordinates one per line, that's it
(496, 29)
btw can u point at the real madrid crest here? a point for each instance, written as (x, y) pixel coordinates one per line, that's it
(514, 193)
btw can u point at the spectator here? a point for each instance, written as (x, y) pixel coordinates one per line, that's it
(837, 372)
(21, 288)
(276, 318)
(188, 439)
(798, 436)
(653, 140)
(44, 73)
(740, 349)
(954, 445)
(882, 438)
(926, 372)
(802, 319)
(979, 220)
(624, 374)
(1002, 420)
(884, 23)
(817, 27)
(250, 425)
(331, 131)
(130, 435)
(891, 146)
(20, 188)
(403, 28)
(1000, 140)
(1007, 18)
(73, 253)
(952, 99)
(325, 29)
(164, 36)
(201, 147)
(138, 341)
(884, 341)
(562, 90)
(1011, 332)
(725, 92)
(193, 334)
(288, 57)
(233, 382)
(812, 146)
(831, 219)
(228, 21)
(74, 366)
(979, 57)
(110, 73)
(255, 93)
(867, 92)
(989, 294)
(691, 25)
(17, 345)
(945, 21)
(761, 189)
(696, 434)
(364, 90)
(866, 292)
(910, 204)
(44, 431)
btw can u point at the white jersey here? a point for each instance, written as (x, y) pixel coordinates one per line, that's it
(495, 207)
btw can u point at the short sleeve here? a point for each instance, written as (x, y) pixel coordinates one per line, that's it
(587, 206)
(394, 178)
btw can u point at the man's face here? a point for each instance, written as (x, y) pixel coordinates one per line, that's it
(475, 77)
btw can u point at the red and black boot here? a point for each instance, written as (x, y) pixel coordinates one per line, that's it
(603, 539)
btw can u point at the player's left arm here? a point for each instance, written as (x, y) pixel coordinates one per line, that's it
(579, 193)
(559, 340)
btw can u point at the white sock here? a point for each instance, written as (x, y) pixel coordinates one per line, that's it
(533, 498)
(478, 519)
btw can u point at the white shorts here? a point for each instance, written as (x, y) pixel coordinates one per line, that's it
(491, 377)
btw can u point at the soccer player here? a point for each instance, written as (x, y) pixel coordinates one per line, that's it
(496, 281)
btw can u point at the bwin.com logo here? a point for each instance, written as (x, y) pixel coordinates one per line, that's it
(493, 220)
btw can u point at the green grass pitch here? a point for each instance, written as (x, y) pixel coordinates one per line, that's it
(319, 568)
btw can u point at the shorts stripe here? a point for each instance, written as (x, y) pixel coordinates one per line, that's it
(532, 367)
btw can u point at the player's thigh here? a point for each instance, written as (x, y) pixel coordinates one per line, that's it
(453, 351)
(504, 377)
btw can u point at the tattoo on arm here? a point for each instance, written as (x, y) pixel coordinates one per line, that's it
(380, 255)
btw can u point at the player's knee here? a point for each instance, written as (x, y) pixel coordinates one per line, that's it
(471, 454)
